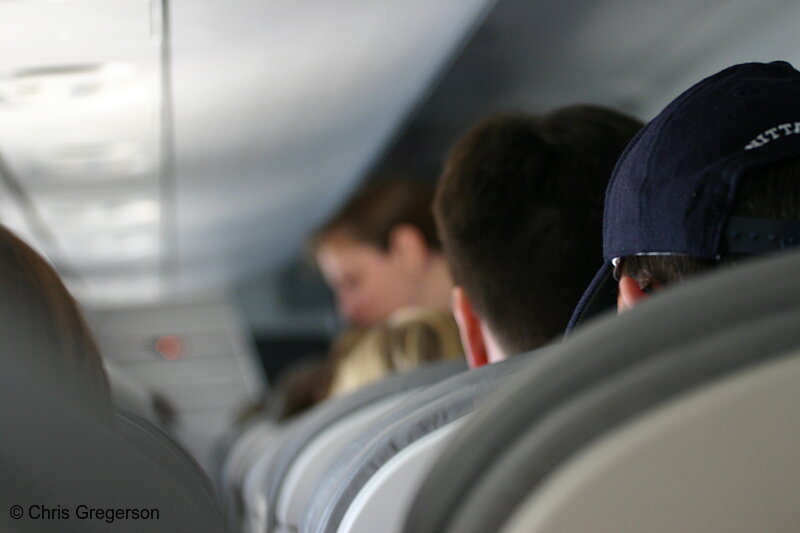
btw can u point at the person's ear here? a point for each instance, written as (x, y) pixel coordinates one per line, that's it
(408, 247)
(630, 294)
(469, 327)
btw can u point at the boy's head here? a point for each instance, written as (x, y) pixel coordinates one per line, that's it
(714, 178)
(518, 209)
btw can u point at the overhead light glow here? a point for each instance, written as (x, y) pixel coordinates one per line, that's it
(98, 160)
(117, 290)
(100, 214)
(110, 248)
(64, 85)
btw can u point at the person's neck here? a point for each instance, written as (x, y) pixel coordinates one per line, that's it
(435, 287)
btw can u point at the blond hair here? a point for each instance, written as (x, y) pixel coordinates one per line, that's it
(410, 337)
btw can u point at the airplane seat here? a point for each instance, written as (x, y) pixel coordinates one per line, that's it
(307, 468)
(719, 459)
(371, 483)
(381, 502)
(69, 472)
(279, 485)
(260, 439)
(130, 396)
(172, 459)
(676, 416)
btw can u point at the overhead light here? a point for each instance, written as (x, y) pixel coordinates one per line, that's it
(98, 160)
(59, 85)
(117, 290)
(99, 213)
(110, 247)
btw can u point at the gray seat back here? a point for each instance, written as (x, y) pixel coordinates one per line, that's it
(678, 342)
(720, 459)
(130, 396)
(259, 440)
(172, 459)
(431, 409)
(310, 466)
(383, 501)
(55, 456)
(305, 430)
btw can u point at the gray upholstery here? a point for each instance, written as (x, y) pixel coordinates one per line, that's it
(722, 459)
(382, 503)
(130, 396)
(172, 459)
(313, 423)
(309, 467)
(253, 511)
(260, 440)
(422, 414)
(608, 372)
(53, 454)
(602, 409)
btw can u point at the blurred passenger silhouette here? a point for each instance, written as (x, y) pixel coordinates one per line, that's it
(380, 252)
(411, 336)
(44, 331)
(304, 384)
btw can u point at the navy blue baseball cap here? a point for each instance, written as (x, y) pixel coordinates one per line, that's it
(673, 188)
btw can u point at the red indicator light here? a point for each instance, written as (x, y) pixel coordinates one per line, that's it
(170, 347)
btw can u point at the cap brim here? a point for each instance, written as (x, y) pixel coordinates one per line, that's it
(600, 296)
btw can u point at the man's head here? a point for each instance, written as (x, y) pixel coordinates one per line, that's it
(380, 251)
(714, 178)
(518, 209)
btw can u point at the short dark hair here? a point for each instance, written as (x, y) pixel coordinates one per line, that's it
(519, 212)
(771, 191)
(378, 207)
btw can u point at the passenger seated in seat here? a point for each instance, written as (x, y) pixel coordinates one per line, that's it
(380, 252)
(42, 328)
(411, 336)
(713, 179)
(518, 209)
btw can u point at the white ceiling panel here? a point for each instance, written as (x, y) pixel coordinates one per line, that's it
(80, 101)
(306, 96)
(279, 107)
